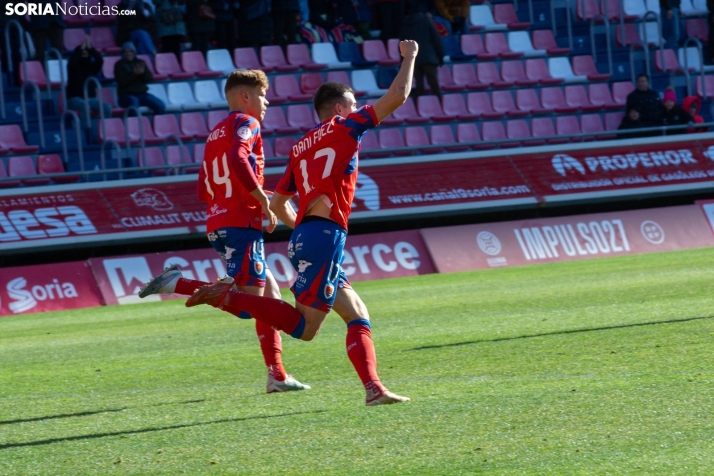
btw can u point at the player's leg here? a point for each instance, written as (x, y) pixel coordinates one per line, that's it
(360, 347)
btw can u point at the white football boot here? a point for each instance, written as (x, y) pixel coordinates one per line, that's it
(165, 283)
(288, 385)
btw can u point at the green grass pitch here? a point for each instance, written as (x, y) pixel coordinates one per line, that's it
(589, 367)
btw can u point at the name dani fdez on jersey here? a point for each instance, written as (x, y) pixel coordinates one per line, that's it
(311, 139)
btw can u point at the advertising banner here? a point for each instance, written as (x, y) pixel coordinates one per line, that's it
(516, 243)
(47, 287)
(376, 256)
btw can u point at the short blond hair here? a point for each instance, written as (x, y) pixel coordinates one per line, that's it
(250, 78)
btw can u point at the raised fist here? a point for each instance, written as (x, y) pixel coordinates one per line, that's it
(408, 48)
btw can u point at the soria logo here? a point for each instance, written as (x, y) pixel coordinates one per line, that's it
(562, 163)
(24, 300)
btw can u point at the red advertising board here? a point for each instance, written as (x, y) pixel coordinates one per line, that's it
(708, 209)
(515, 243)
(375, 256)
(47, 287)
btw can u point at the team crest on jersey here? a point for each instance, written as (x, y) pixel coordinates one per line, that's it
(244, 133)
(258, 266)
(329, 290)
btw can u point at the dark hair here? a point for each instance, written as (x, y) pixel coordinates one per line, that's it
(328, 94)
(251, 78)
(643, 75)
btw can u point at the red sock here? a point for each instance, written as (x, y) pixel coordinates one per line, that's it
(360, 350)
(188, 286)
(270, 345)
(273, 312)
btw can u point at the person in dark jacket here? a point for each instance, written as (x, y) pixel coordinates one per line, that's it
(43, 28)
(632, 121)
(136, 28)
(255, 23)
(171, 25)
(226, 35)
(133, 78)
(673, 115)
(646, 101)
(85, 62)
(285, 15)
(670, 15)
(391, 14)
(417, 26)
(200, 23)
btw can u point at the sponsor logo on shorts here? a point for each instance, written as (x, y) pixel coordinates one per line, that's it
(291, 251)
(229, 252)
(258, 266)
(329, 290)
(302, 265)
(212, 236)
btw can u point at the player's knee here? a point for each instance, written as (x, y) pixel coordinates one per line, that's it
(309, 334)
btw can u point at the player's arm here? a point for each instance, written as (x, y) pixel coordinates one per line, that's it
(280, 205)
(239, 158)
(398, 91)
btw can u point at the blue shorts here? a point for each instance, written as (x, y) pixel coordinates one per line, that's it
(316, 251)
(242, 251)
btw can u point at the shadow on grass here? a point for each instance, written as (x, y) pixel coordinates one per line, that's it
(564, 332)
(92, 436)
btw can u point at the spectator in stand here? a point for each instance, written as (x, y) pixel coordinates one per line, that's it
(285, 15)
(708, 57)
(673, 115)
(417, 26)
(322, 14)
(200, 23)
(43, 28)
(632, 121)
(226, 34)
(692, 104)
(170, 25)
(256, 24)
(133, 78)
(137, 28)
(646, 101)
(456, 12)
(670, 14)
(85, 62)
(391, 13)
(355, 13)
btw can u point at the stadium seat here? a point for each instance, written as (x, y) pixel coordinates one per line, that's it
(610, 9)
(503, 103)
(559, 67)
(620, 90)
(629, 37)
(36, 74)
(520, 42)
(22, 166)
(454, 105)
(220, 61)
(374, 50)
(513, 72)
(369, 146)
(599, 95)
(73, 37)
(108, 66)
(283, 146)
(613, 120)
(480, 105)
(52, 164)
(536, 69)
(694, 7)
(286, 86)
(11, 138)
(324, 53)
(206, 92)
(150, 64)
(430, 107)
(527, 101)
(300, 116)
(198, 151)
(246, 58)
(342, 77)
(272, 57)
(416, 138)
(544, 40)
(177, 155)
(53, 71)
(505, 14)
(3, 174)
(132, 126)
(446, 81)
(102, 39)
(689, 59)
(441, 134)
(194, 62)
(586, 9)
(267, 149)
(407, 112)
(214, 117)
(592, 124)
(75, 20)
(393, 49)
(309, 82)
(577, 97)
(114, 131)
(472, 44)
(167, 64)
(468, 134)
(649, 32)
(274, 121)
(166, 125)
(180, 94)
(363, 80)
(666, 60)
(464, 75)
(452, 49)
(154, 157)
(554, 99)
(487, 73)
(158, 90)
(585, 66)
(518, 129)
(348, 51)
(708, 84)
(568, 126)
(496, 44)
(495, 132)
(635, 8)
(481, 17)
(108, 97)
(393, 139)
(299, 55)
(194, 125)
(543, 127)
(101, 18)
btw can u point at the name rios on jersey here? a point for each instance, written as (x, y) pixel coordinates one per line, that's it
(216, 134)
(308, 141)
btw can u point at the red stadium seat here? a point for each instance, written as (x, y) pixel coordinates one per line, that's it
(513, 72)
(503, 102)
(505, 14)
(22, 166)
(487, 73)
(416, 138)
(166, 125)
(344, 78)
(442, 134)
(103, 40)
(11, 138)
(393, 49)
(3, 174)
(369, 146)
(214, 117)
(73, 37)
(480, 104)
(298, 55)
(268, 149)
(610, 9)
(630, 36)
(697, 28)
(430, 107)
(620, 90)
(554, 99)
(132, 125)
(194, 62)
(392, 139)
(472, 44)
(575, 96)
(454, 105)
(246, 58)
(468, 134)
(73, 20)
(286, 86)
(374, 50)
(167, 64)
(670, 64)
(176, 155)
(537, 69)
(527, 100)
(613, 120)
(465, 76)
(592, 124)
(36, 74)
(272, 57)
(193, 124)
(198, 151)
(544, 40)
(108, 66)
(283, 146)
(518, 129)
(587, 9)
(300, 115)
(568, 126)
(309, 82)
(496, 44)
(585, 66)
(407, 112)
(150, 64)
(154, 158)
(115, 131)
(495, 132)
(599, 95)
(52, 164)
(446, 81)
(274, 121)
(543, 127)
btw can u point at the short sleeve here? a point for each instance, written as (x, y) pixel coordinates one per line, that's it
(360, 121)
(286, 185)
(245, 129)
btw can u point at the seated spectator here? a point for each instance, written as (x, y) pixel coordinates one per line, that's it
(632, 121)
(285, 14)
(133, 78)
(136, 28)
(85, 62)
(673, 115)
(200, 23)
(692, 104)
(226, 35)
(322, 14)
(417, 26)
(357, 14)
(170, 25)
(455, 12)
(646, 101)
(391, 14)
(256, 24)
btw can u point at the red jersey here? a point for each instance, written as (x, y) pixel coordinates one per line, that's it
(232, 168)
(324, 162)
